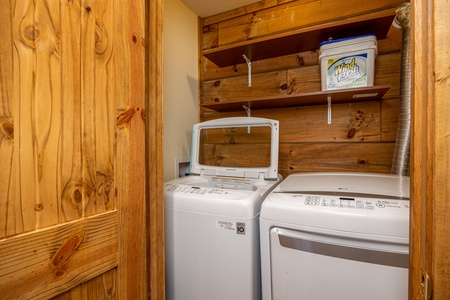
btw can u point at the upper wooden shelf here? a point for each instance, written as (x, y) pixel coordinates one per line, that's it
(312, 98)
(300, 40)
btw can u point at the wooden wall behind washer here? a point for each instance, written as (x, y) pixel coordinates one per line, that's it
(361, 136)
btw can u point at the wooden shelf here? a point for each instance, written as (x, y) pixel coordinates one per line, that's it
(313, 98)
(300, 40)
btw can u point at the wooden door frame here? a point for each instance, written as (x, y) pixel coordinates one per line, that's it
(154, 159)
(430, 149)
(423, 148)
(422, 142)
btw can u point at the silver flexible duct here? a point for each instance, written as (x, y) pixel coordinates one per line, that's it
(400, 162)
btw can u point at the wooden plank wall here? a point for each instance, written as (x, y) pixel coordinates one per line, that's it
(72, 149)
(362, 135)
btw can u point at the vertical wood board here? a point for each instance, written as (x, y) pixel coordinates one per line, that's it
(154, 164)
(441, 206)
(98, 108)
(129, 91)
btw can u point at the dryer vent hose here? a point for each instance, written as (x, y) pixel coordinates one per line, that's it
(400, 162)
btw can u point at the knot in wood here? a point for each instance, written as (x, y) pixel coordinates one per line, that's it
(72, 197)
(76, 199)
(31, 33)
(104, 183)
(351, 133)
(208, 28)
(77, 196)
(66, 251)
(101, 39)
(125, 117)
(7, 128)
(301, 60)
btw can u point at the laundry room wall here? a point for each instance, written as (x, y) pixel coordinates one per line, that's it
(180, 52)
(361, 136)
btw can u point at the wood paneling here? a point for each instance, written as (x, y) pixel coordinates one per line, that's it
(236, 88)
(300, 40)
(41, 107)
(351, 122)
(292, 15)
(391, 44)
(244, 10)
(224, 155)
(329, 157)
(292, 81)
(301, 99)
(361, 136)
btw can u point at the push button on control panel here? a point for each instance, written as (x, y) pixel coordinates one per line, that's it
(312, 200)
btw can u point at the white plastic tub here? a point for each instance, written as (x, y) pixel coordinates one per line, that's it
(348, 63)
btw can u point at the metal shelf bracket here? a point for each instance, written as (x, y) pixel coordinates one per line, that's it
(249, 66)
(249, 114)
(329, 109)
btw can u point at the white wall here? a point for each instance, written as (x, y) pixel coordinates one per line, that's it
(180, 54)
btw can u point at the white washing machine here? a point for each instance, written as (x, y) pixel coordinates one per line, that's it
(336, 236)
(212, 217)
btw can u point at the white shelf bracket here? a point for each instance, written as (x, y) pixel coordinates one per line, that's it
(329, 109)
(249, 114)
(249, 66)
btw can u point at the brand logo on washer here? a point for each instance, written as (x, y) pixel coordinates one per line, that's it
(240, 228)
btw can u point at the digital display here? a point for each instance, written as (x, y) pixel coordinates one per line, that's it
(345, 198)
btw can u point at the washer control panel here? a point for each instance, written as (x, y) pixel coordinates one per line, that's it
(194, 190)
(353, 203)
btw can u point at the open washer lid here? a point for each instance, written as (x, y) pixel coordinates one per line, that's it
(265, 172)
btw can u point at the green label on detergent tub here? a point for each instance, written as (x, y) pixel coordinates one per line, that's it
(348, 71)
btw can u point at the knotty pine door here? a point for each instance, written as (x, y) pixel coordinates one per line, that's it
(72, 149)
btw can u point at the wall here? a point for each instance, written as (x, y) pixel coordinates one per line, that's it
(180, 82)
(362, 134)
